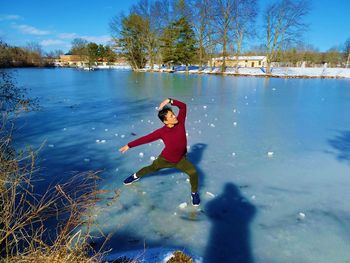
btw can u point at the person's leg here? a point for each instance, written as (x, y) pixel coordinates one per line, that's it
(187, 167)
(157, 164)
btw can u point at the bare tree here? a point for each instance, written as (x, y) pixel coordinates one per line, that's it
(283, 25)
(154, 14)
(224, 18)
(202, 19)
(79, 47)
(347, 52)
(35, 53)
(245, 13)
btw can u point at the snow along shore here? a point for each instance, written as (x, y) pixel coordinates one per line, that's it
(285, 72)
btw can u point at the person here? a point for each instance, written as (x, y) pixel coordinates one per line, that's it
(173, 134)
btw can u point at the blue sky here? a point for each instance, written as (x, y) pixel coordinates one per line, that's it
(54, 24)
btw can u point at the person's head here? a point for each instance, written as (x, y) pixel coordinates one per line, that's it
(167, 116)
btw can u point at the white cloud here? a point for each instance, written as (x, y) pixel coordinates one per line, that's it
(9, 17)
(104, 39)
(67, 35)
(25, 29)
(52, 42)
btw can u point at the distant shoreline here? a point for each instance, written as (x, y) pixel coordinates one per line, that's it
(285, 72)
(277, 72)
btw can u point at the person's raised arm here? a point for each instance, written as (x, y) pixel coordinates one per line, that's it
(182, 109)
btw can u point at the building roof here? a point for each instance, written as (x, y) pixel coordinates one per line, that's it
(242, 58)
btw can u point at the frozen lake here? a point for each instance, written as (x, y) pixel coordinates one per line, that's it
(273, 157)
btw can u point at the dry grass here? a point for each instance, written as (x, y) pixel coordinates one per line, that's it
(180, 257)
(26, 217)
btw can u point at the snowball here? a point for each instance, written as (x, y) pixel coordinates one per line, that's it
(141, 154)
(233, 154)
(183, 205)
(212, 125)
(234, 110)
(122, 136)
(301, 216)
(253, 197)
(204, 107)
(235, 123)
(106, 129)
(103, 141)
(270, 154)
(152, 158)
(187, 180)
(98, 141)
(210, 194)
(116, 134)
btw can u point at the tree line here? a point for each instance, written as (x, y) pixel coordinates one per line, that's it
(170, 32)
(92, 53)
(32, 55)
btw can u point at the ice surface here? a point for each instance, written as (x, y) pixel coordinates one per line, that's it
(258, 200)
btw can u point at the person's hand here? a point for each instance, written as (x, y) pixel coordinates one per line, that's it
(124, 149)
(165, 102)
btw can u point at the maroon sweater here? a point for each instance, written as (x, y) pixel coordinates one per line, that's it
(174, 138)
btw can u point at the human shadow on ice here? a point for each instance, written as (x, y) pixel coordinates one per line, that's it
(230, 214)
(341, 143)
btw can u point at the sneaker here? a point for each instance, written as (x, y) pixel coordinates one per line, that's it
(195, 199)
(132, 178)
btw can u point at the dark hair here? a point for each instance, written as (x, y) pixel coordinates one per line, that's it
(163, 112)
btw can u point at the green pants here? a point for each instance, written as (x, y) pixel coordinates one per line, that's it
(183, 165)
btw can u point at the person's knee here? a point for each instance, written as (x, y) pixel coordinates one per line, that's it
(192, 172)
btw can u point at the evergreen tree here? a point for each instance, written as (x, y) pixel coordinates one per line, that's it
(185, 47)
(92, 54)
(178, 43)
(168, 47)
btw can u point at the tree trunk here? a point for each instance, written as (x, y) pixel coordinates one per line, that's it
(268, 65)
(223, 66)
(200, 53)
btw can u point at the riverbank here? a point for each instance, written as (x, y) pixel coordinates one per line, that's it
(281, 72)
